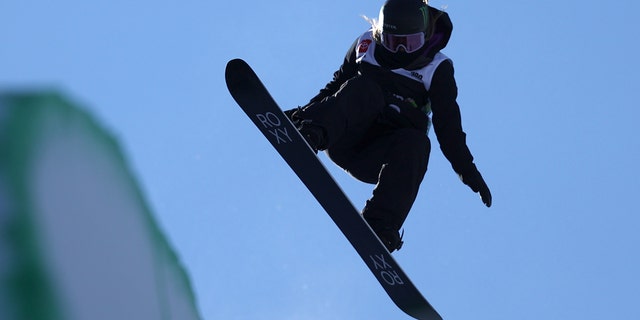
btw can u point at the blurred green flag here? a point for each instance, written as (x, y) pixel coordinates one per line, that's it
(77, 239)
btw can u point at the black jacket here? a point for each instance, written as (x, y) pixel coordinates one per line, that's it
(443, 92)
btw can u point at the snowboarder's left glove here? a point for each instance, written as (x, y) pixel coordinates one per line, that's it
(474, 180)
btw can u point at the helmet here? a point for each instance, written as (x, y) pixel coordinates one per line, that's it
(404, 16)
(403, 23)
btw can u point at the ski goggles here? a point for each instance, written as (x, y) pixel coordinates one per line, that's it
(410, 42)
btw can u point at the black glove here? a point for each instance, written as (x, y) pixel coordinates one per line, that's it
(474, 180)
(404, 113)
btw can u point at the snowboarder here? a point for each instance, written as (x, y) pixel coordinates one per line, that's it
(372, 119)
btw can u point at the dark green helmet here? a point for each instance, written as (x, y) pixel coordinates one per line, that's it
(404, 16)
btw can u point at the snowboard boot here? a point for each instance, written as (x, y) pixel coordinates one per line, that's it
(391, 239)
(389, 236)
(290, 114)
(314, 134)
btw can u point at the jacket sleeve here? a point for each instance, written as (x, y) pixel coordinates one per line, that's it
(447, 121)
(348, 70)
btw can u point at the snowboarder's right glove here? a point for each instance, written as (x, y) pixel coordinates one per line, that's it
(474, 180)
(404, 113)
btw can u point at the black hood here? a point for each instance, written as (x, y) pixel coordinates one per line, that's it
(440, 33)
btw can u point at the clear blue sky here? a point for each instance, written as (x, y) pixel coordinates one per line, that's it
(548, 92)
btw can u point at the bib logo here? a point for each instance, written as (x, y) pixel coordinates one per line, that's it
(272, 123)
(364, 46)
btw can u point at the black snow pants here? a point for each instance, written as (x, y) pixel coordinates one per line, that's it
(372, 149)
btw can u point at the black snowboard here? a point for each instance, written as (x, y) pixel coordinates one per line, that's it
(249, 92)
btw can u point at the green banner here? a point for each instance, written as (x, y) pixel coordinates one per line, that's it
(77, 238)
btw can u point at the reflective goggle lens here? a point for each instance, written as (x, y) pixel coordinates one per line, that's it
(410, 42)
